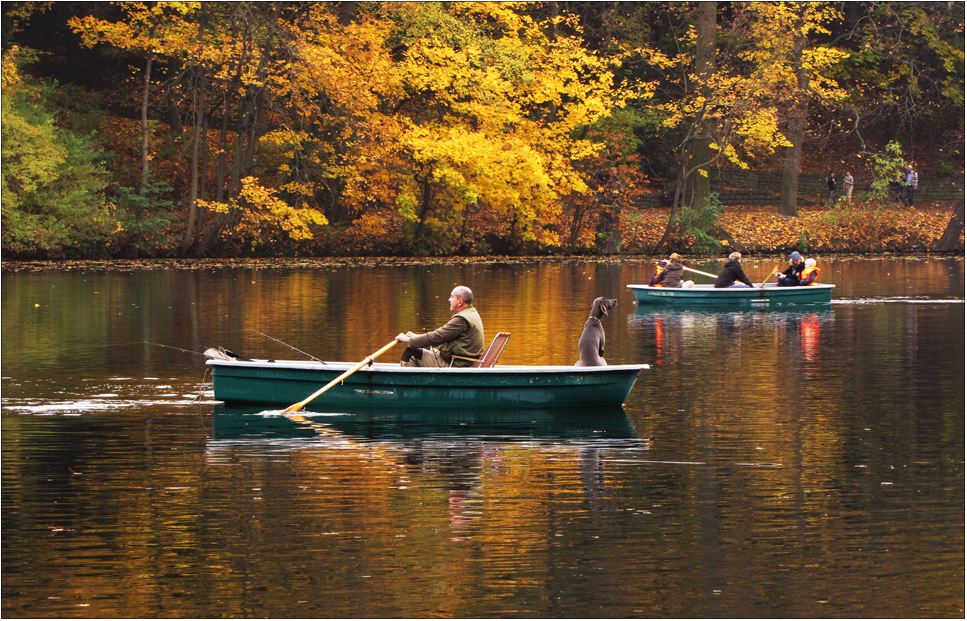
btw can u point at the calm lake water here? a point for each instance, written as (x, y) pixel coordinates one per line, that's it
(804, 462)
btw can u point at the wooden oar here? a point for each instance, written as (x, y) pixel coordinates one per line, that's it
(369, 359)
(688, 269)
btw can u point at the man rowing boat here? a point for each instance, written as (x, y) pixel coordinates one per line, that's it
(458, 343)
(731, 272)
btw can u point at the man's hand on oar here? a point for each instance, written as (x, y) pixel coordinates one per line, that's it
(775, 271)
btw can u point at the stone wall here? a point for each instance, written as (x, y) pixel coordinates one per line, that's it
(736, 186)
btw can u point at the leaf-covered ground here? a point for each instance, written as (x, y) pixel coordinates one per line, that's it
(816, 229)
(759, 230)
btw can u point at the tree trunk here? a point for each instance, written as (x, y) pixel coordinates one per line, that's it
(693, 187)
(235, 180)
(950, 240)
(673, 216)
(203, 182)
(174, 111)
(145, 128)
(426, 202)
(258, 126)
(222, 143)
(195, 147)
(789, 191)
(609, 217)
(578, 211)
(200, 110)
(347, 13)
(221, 220)
(233, 87)
(698, 155)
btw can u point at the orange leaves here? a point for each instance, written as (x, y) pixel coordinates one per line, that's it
(761, 229)
(856, 229)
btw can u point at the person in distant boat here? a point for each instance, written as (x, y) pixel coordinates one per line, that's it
(790, 277)
(731, 272)
(671, 276)
(459, 343)
(657, 276)
(810, 275)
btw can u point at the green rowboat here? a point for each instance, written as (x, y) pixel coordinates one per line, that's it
(708, 295)
(284, 382)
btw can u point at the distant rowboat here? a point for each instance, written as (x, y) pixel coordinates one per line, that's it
(284, 382)
(708, 295)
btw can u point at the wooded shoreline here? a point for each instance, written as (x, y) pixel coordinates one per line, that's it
(754, 231)
(133, 265)
(277, 129)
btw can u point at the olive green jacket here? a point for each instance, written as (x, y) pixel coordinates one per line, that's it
(463, 336)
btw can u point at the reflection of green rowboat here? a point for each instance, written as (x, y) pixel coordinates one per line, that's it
(708, 295)
(253, 423)
(285, 382)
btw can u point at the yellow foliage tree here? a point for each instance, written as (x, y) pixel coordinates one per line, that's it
(744, 104)
(471, 106)
(260, 218)
(434, 110)
(794, 71)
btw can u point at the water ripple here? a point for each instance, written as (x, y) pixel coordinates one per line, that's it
(895, 300)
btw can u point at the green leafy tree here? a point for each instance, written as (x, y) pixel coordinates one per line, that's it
(145, 219)
(694, 226)
(905, 71)
(53, 180)
(889, 168)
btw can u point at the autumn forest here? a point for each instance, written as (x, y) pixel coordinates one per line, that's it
(285, 129)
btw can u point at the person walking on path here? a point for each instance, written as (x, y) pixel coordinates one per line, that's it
(848, 187)
(831, 184)
(913, 180)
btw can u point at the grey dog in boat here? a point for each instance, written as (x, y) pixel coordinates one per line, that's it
(591, 345)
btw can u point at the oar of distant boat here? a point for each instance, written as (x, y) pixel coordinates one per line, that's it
(688, 269)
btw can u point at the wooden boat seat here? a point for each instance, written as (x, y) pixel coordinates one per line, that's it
(492, 354)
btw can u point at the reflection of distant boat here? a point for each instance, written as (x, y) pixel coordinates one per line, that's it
(240, 423)
(714, 313)
(669, 326)
(708, 295)
(285, 382)
(809, 330)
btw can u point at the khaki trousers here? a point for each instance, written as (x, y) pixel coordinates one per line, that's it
(431, 358)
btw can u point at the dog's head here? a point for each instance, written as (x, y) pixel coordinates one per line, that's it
(600, 307)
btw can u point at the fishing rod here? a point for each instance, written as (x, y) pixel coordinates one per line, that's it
(417, 309)
(287, 345)
(422, 324)
(187, 351)
(211, 352)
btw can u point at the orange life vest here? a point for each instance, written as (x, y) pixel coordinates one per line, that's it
(809, 276)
